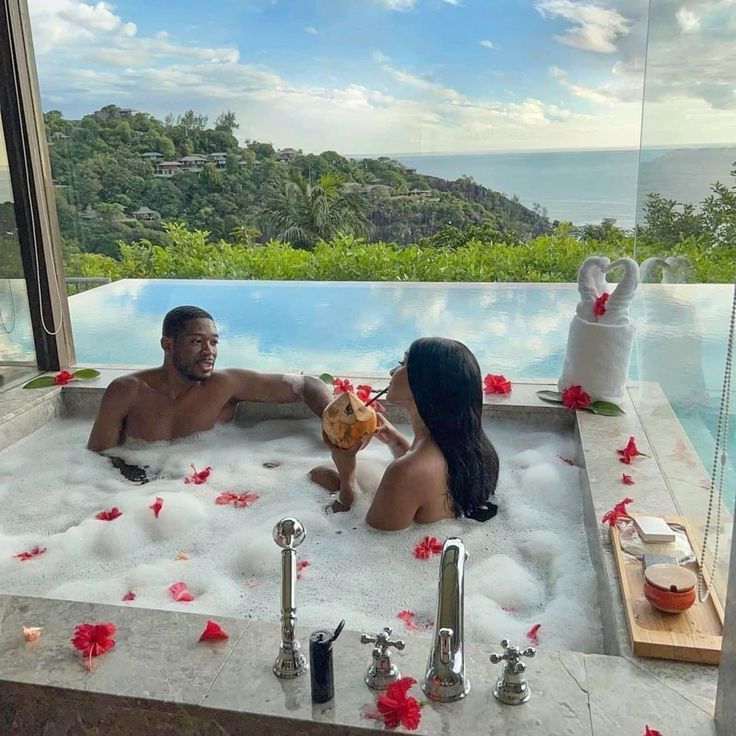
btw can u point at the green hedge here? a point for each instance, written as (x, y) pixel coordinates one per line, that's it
(547, 258)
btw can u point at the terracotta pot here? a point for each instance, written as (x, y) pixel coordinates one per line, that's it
(669, 588)
(346, 419)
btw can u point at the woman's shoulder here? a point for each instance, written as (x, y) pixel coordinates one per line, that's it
(420, 464)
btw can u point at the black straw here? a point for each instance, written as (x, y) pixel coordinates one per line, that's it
(377, 396)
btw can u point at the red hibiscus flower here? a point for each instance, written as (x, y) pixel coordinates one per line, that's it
(240, 500)
(30, 554)
(363, 392)
(198, 476)
(109, 514)
(496, 384)
(427, 547)
(62, 378)
(156, 506)
(599, 308)
(129, 596)
(651, 731)
(213, 632)
(573, 397)
(300, 566)
(629, 452)
(532, 634)
(180, 592)
(612, 516)
(398, 708)
(341, 385)
(627, 480)
(93, 639)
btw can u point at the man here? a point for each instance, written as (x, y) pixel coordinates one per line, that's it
(185, 395)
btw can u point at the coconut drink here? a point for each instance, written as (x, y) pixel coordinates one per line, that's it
(346, 419)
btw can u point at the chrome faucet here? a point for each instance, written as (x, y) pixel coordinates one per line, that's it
(290, 663)
(445, 679)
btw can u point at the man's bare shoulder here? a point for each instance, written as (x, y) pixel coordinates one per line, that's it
(132, 383)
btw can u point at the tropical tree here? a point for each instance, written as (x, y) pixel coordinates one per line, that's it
(302, 213)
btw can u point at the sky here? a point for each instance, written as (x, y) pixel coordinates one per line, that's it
(404, 76)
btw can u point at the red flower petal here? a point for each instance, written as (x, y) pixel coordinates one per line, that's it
(651, 731)
(129, 596)
(629, 452)
(180, 592)
(398, 708)
(619, 509)
(409, 619)
(363, 392)
(599, 308)
(213, 632)
(109, 514)
(94, 639)
(30, 554)
(198, 476)
(62, 378)
(532, 633)
(156, 506)
(426, 547)
(341, 385)
(627, 480)
(496, 384)
(246, 499)
(566, 460)
(300, 565)
(573, 397)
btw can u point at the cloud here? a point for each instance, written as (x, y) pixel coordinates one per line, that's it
(487, 44)
(593, 28)
(452, 2)
(396, 4)
(629, 91)
(413, 80)
(688, 20)
(69, 22)
(311, 30)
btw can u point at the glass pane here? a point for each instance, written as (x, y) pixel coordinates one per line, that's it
(184, 153)
(686, 221)
(17, 353)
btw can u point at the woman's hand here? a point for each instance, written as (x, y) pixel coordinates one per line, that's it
(345, 462)
(389, 435)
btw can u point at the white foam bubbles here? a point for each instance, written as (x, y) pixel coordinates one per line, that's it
(527, 565)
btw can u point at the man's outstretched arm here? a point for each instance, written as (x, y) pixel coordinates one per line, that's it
(109, 426)
(281, 389)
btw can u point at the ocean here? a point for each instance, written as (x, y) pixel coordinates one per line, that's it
(586, 186)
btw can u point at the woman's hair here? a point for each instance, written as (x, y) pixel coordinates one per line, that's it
(445, 380)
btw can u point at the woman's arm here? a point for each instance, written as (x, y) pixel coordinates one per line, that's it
(396, 502)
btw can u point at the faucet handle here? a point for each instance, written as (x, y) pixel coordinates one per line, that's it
(512, 654)
(511, 687)
(381, 672)
(382, 640)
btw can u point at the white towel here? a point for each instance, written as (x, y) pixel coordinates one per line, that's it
(597, 359)
(599, 347)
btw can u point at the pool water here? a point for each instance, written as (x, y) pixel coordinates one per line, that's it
(528, 565)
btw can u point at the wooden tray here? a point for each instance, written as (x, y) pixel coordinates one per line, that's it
(692, 636)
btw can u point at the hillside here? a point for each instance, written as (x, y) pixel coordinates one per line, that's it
(118, 173)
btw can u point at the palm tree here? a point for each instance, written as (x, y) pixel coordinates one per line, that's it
(302, 212)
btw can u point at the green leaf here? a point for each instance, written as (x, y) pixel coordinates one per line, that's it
(605, 408)
(40, 382)
(327, 378)
(86, 373)
(554, 397)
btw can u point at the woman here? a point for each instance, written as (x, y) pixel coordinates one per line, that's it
(451, 468)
